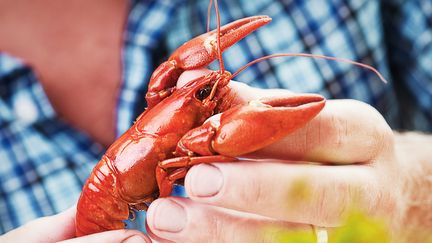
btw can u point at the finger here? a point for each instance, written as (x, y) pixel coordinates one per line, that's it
(47, 229)
(346, 131)
(114, 236)
(310, 194)
(182, 220)
(187, 76)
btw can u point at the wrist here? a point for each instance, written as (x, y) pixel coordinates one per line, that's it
(415, 159)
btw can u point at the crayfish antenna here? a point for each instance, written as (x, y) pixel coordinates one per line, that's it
(221, 63)
(209, 15)
(311, 56)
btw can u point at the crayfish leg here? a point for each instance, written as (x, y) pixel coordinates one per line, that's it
(144, 204)
(171, 170)
(167, 180)
(162, 82)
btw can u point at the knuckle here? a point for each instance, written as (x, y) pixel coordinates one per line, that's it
(253, 191)
(388, 201)
(217, 229)
(375, 134)
(333, 203)
(222, 228)
(333, 131)
(381, 134)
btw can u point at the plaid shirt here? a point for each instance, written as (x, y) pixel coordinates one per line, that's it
(44, 162)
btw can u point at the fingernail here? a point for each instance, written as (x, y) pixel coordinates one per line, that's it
(206, 180)
(169, 216)
(136, 239)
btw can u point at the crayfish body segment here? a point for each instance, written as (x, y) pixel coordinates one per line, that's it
(125, 177)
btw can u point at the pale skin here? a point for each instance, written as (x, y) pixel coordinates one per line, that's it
(61, 228)
(386, 173)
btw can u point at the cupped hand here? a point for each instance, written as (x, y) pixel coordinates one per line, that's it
(61, 228)
(342, 159)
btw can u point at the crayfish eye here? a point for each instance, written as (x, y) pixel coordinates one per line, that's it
(204, 92)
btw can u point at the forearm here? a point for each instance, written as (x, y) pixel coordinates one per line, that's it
(415, 156)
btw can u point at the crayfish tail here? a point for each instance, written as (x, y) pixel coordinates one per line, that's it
(99, 208)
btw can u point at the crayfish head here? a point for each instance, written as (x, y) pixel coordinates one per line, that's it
(213, 94)
(199, 98)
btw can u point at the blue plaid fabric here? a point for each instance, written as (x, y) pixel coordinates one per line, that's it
(44, 162)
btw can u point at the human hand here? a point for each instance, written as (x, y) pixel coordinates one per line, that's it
(61, 227)
(252, 201)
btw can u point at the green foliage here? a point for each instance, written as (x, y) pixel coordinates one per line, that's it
(284, 235)
(360, 228)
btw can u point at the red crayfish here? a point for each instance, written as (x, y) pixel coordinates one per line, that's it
(140, 166)
(172, 134)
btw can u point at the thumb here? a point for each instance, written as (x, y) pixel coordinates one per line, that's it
(187, 76)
